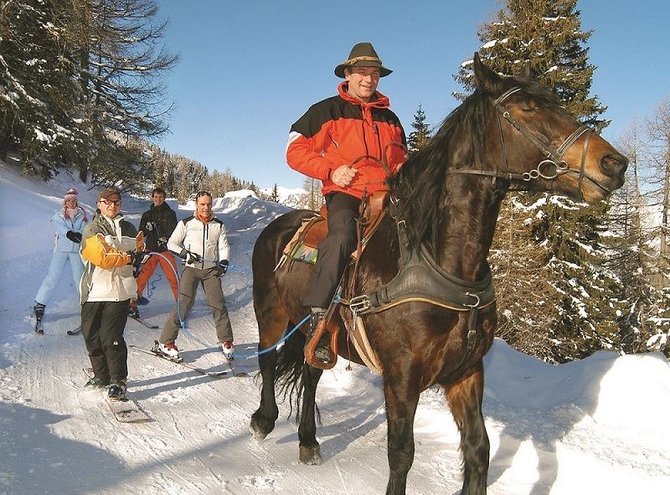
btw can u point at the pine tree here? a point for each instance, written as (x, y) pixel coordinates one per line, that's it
(420, 136)
(312, 199)
(546, 36)
(656, 165)
(38, 82)
(119, 73)
(525, 295)
(634, 256)
(578, 298)
(85, 86)
(84, 80)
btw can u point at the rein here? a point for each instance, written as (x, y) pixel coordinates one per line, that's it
(550, 168)
(383, 162)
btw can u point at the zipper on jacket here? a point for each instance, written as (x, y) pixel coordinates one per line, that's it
(205, 235)
(365, 140)
(379, 145)
(375, 131)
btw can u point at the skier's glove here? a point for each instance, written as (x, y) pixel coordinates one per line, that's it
(162, 243)
(189, 257)
(221, 267)
(73, 236)
(138, 258)
(149, 226)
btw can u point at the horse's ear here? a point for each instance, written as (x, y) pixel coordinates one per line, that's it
(487, 80)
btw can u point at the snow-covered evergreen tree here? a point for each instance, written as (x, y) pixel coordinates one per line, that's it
(81, 86)
(568, 264)
(420, 135)
(38, 89)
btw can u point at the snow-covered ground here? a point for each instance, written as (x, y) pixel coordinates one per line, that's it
(595, 426)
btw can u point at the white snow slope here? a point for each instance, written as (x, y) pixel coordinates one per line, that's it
(595, 426)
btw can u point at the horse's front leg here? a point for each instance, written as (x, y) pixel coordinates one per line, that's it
(402, 396)
(263, 420)
(465, 400)
(310, 452)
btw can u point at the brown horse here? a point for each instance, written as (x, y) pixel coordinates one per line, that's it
(511, 133)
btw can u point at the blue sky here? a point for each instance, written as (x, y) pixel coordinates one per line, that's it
(249, 68)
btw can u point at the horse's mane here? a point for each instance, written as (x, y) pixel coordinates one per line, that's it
(420, 185)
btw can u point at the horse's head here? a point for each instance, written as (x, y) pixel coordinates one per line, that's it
(542, 146)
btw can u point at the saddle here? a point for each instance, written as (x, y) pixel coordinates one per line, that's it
(304, 247)
(304, 244)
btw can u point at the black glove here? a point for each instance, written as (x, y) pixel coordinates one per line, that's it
(221, 267)
(149, 226)
(189, 257)
(162, 243)
(73, 236)
(138, 258)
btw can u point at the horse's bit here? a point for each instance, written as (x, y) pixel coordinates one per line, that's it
(553, 158)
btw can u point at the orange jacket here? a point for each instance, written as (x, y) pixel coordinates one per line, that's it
(342, 130)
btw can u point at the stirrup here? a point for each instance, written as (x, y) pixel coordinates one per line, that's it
(314, 341)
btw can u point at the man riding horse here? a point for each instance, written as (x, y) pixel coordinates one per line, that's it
(510, 134)
(352, 142)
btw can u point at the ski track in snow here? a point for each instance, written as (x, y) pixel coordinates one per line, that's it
(548, 433)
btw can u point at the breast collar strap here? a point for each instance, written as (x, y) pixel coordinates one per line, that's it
(421, 279)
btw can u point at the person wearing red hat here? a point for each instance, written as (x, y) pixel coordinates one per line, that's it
(69, 221)
(353, 143)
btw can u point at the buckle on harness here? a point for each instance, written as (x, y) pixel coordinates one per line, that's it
(477, 300)
(359, 304)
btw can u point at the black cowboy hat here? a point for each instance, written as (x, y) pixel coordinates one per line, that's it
(362, 55)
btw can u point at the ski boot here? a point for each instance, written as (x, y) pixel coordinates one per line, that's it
(117, 390)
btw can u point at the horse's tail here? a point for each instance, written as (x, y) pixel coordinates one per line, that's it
(289, 373)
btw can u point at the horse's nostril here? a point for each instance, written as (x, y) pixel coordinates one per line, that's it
(614, 163)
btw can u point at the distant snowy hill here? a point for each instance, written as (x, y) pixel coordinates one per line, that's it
(287, 196)
(593, 426)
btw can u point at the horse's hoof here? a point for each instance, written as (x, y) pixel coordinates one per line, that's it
(258, 435)
(260, 427)
(310, 455)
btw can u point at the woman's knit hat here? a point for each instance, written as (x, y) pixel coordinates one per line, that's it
(70, 194)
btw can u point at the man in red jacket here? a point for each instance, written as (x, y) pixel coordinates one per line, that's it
(352, 142)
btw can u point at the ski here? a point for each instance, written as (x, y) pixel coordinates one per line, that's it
(148, 325)
(235, 372)
(202, 371)
(124, 410)
(127, 411)
(238, 367)
(39, 328)
(75, 331)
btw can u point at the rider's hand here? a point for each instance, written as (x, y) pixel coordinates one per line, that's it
(343, 175)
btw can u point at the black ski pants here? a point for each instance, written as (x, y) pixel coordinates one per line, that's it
(334, 250)
(102, 325)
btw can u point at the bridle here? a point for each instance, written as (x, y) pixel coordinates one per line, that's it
(553, 164)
